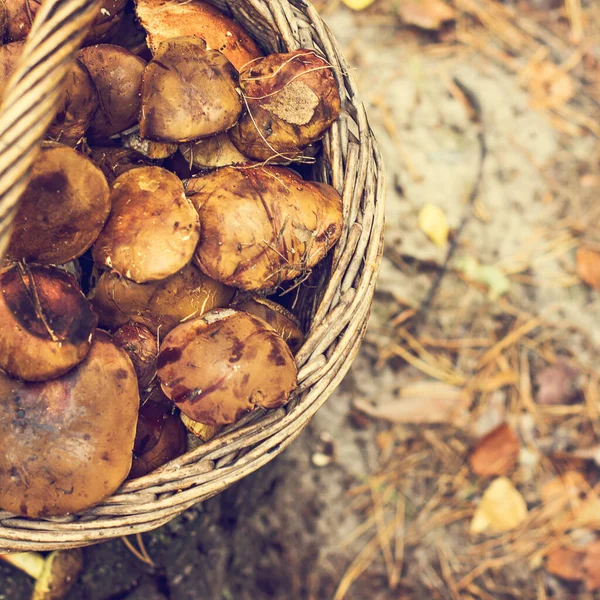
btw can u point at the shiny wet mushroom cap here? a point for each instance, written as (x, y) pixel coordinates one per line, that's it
(66, 444)
(225, 364)
(46, 324)
(153, 228)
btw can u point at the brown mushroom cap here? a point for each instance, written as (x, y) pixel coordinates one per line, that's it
(63, 208)
(108, 19)
(3, 19)
(262, 226)
(280, 319)
(77, 106)
(171, 443)
(60, 573)
(114, 161)
(140, 344)
(153, 228)
(225, 364)
(46, 323)
(149, 148)
(188, 93)
(20, 15)
(165, 19)
(291, 100)
(9, 59)
(215, 151)
(154, 410)
(117, 74)
(160, 305)
(67, 443)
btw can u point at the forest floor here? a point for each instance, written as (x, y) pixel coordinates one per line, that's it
(459, 457)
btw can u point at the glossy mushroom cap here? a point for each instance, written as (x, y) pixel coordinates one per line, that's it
(225, 364)
(66, 444)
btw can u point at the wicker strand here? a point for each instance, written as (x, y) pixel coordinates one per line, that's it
(30, 100)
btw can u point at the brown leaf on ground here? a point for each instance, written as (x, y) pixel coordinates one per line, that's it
(502, 508)
(591, 566)
(429, 402)
(588, 266)
(426, 14)
(496, 453)
(564, 489)
(566, 563)
(556, 384)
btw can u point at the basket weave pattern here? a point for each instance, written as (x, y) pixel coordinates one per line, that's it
(335, 313)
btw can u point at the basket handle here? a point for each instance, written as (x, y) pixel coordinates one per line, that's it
(31, 98)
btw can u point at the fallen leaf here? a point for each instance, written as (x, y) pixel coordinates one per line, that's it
(502, 508)
(433, 223)
(492, 277)
(550, 87)
(566, 563)
(588, 266)
(572, 494)
(556, 384)
(426, 14)
(496, 453)
(564, 489)
(591, 566)
(424, 403)
(358, 4)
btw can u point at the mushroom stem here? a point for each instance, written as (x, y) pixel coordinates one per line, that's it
(31, 563)
(54, 575)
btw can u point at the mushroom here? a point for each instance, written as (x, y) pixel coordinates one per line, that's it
(225, 364)
(159, 305)
(54, 574)
(202, 431)
(160, 437)
(114, 160)
(140, 344)
(153, 228)
(46, 324)
(66, 444)
(165, 19)
(280, 319)
(215, 151)
(170, 444)
(149, 148)
(262, 225)
(117, 74)
(188, 93)
(63, 209)
(291, 100)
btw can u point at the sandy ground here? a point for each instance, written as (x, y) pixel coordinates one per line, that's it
(289, 531)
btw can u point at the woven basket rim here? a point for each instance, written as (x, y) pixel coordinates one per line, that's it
(351, 162)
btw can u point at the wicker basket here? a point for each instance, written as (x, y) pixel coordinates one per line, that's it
(335, 308)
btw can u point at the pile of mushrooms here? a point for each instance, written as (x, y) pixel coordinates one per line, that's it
(163, 226)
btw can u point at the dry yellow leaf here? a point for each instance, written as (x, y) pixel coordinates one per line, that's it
(502, 508)
(433, 223)
(358, 4)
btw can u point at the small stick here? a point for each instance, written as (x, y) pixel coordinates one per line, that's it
(421, 315)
